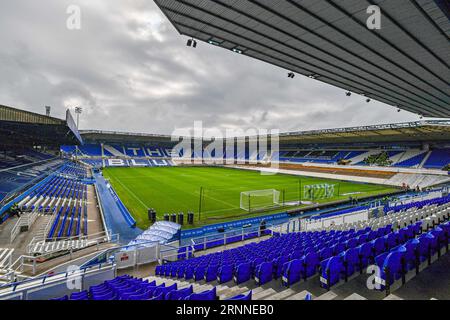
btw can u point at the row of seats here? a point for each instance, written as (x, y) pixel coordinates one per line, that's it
(298, 256)
(306, 265)
(14, 180)
(74, 170)
(98, 150)
(129, 288)
(63, 195)
(14, 158)
(405, 227)
(418, 204)
(394, 215)
(69, 216)
(345, 263)
(262, 261)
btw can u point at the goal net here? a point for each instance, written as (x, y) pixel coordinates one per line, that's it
(259, 199)
(318, 191)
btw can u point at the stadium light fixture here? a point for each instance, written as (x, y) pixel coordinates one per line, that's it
(313, 76)
(368, 100)
(78, 111)
(214, 43)
(399, 110)
(191, 43)
(348, 94)
(291, 75)
(237, 50)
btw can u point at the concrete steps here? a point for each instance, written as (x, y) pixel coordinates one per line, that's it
(282, 295)
(392, 297)
(355, 296)
(264, 294)
(299, 296)
(330, 295)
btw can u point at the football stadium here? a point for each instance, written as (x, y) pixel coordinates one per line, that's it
(339, 213)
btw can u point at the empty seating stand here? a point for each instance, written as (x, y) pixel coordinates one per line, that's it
(64, 196)
(392, 242)
(129, 288)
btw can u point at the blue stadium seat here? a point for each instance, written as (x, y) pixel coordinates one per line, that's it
(393, 266)
(199, 272)
(378, 246)
(310, 263)
(365, 253)
(158, 297)
(203, 296)
(332, 269)
(242, 297)
(164, 290)
(225, 273)
(292, 272)
(243, 273)
(412, 254)
(351, 261)
(264, 273)
(278, 266)
(179, 294)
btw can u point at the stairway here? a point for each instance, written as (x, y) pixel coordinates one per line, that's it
(414, 180)
(5, 258)
(113, 151)
(356, 160)
(425, 159)
(409, 154)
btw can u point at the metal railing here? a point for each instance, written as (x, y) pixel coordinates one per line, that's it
(26, 220)
(31, 262)
(17, 284)
(137, 254)
(96, 238)
(42, 174)
(173, 253)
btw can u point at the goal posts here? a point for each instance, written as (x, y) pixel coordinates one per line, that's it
(259, 199)
(318, 191)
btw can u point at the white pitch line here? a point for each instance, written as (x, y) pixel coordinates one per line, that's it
(132, 193)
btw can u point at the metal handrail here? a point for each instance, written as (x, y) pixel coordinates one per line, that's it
(191, 247)
(62, 275)
(243, 231)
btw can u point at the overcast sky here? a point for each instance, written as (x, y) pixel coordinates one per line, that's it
(131, 71)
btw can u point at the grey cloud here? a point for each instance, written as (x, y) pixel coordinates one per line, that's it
(131, 71)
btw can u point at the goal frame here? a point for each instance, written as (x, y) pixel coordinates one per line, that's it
(246, 204)
(326, 191)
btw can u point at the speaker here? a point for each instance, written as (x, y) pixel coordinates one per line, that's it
(152, 215)
(190, 218)
(181, 218)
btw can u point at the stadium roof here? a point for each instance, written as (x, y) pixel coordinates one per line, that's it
(405, 64)
(420, 131)
(19, 127)
(100, 136)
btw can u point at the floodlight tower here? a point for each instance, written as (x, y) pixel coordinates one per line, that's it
(78, 111)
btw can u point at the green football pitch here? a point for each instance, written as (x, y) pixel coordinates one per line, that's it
(214, 194)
